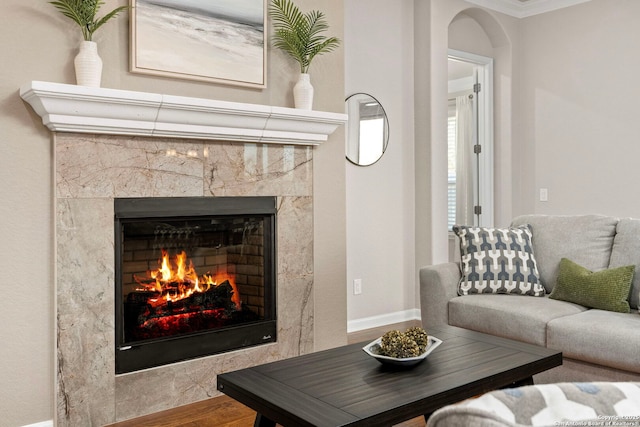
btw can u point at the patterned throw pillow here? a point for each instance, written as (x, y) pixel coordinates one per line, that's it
(498, 261)
(605, 289)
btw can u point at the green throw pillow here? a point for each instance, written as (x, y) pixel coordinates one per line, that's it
(606, 289)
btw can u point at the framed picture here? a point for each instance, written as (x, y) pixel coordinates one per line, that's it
(221, 41)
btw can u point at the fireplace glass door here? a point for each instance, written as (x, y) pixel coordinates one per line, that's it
(194, 277)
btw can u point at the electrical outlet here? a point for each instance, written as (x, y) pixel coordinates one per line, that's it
(544, 195)
(357, 286)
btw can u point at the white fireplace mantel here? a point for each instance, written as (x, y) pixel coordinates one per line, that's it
(81, 109)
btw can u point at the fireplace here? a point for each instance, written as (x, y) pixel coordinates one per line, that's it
(166, 146)
(194, 276)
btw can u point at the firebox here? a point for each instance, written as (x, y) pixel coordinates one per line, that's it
(194, 276)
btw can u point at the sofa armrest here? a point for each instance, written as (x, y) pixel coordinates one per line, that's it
(438, 284)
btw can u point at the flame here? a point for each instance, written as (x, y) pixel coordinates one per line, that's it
(179, 280)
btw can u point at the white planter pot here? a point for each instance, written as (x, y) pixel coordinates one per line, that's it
(88, 65)
(303, 92)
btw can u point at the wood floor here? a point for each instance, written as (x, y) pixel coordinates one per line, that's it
(223, 411)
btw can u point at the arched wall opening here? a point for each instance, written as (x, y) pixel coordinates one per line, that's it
(465, 33)
(475, 32)
(431, 73)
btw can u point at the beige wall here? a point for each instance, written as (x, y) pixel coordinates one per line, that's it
(38, 43)
(467, 35)
(579, 108)
(380, 222)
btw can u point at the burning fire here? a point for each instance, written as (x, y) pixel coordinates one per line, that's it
(179, 280)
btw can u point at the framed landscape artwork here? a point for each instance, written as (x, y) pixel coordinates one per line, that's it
(221, 41)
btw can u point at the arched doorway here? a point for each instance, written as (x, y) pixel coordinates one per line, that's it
(478, 39)
(470, 139)
(432, 236)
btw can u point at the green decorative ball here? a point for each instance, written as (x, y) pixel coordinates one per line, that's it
(420, 336)
(400, 345)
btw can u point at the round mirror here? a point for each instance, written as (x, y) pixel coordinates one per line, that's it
(367, 129)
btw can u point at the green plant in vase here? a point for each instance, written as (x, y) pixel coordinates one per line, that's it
(299, 35)
(88, 64)
(83, 13)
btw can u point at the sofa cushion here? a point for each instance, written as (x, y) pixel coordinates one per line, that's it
(604, 289)
(598, 336)
(626, 250)
(584, 404)
(585, 239)
(497, 261)
(510, 316)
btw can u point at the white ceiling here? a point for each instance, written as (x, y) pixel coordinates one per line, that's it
(460, 70)
(524, 8)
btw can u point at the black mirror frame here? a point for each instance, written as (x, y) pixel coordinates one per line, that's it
(386, 137)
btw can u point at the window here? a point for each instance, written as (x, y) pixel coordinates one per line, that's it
(372, 131)
(451, 156)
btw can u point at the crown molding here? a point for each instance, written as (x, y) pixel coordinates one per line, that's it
(81, 109)
(520, 9)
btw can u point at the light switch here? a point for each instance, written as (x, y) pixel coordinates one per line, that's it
(544, 195)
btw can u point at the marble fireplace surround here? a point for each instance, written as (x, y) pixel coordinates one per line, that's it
(91, 169)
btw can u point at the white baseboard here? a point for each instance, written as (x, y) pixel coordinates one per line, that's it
(42, 424)
(382, 320)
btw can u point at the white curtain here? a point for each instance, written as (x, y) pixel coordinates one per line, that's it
(465, 160)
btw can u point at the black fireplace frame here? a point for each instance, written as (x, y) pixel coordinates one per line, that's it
(151, 353)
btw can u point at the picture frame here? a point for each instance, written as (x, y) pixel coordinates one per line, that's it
(217, 41)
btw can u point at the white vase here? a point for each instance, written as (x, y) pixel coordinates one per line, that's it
(303, 92)
(88, 65)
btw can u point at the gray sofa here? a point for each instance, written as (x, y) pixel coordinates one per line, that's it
(597, 345)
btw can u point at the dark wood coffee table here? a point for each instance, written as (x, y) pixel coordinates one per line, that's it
(346, 387)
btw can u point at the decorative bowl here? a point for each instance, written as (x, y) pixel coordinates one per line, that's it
(373, 349)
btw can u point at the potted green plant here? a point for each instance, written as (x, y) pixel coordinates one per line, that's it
(299, 35)
(87, 63)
